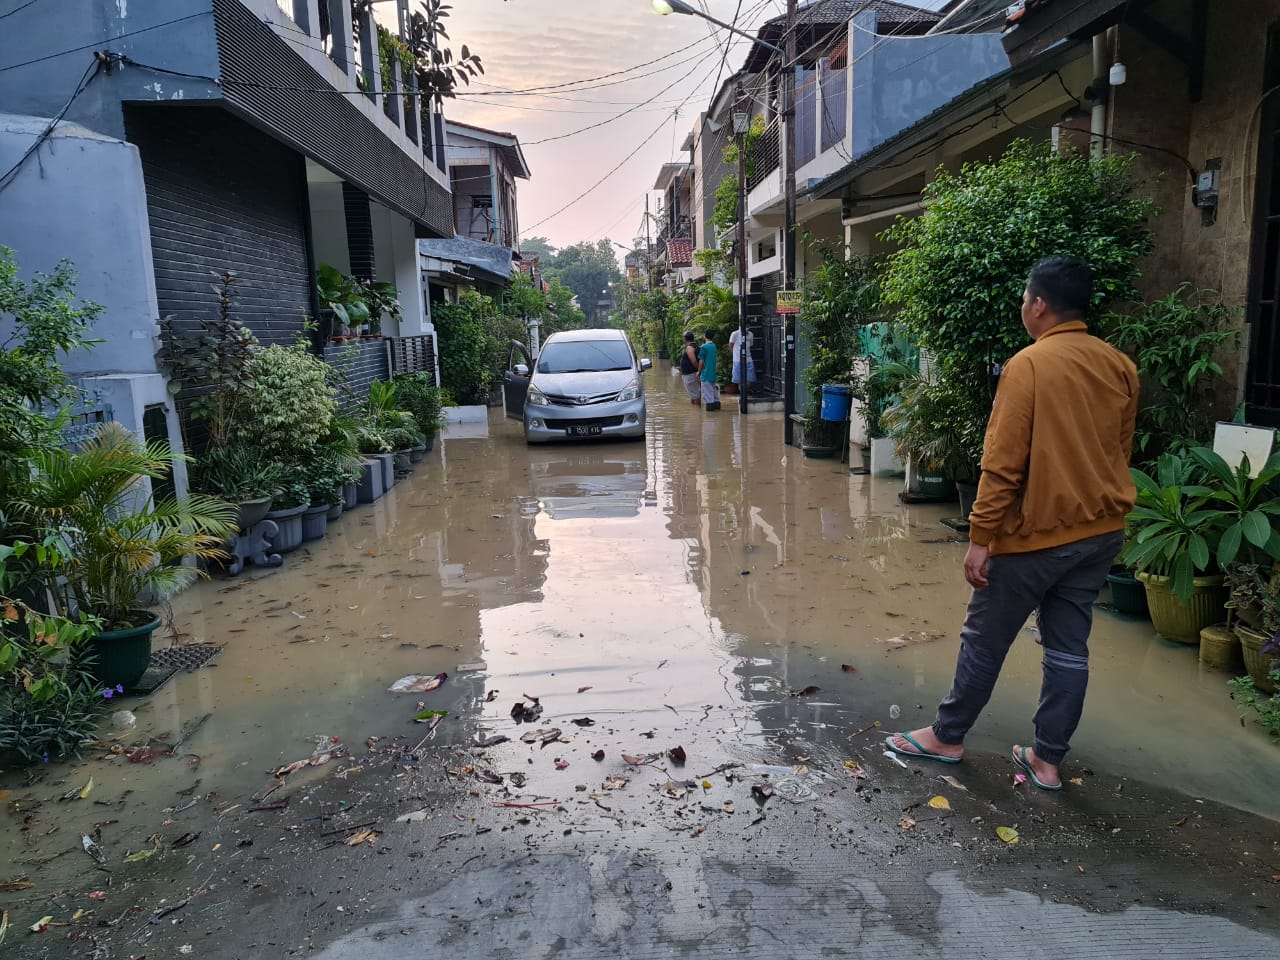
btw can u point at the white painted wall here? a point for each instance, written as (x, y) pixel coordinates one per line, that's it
(329, 223)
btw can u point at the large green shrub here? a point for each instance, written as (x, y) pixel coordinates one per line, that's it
(958, 276)
(285, 404)
(841, 299)
(418, 394)
(1175, 342)
(466, 345)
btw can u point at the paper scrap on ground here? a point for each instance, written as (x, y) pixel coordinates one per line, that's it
(417, 683)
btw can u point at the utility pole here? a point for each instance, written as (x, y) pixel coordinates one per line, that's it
(740, 123)
(648, 249)
(789, 222)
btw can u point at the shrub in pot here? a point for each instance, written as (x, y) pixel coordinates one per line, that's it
(126, 549)
(1175, 539)
(241, 474)
(286, 403)
(932, 427)
(418, 395)
(286, 511)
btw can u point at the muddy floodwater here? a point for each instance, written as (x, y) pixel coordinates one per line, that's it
(686, 588)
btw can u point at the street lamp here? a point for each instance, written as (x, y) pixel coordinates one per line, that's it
(668, 7)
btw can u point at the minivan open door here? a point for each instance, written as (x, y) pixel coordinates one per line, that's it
(516, 379)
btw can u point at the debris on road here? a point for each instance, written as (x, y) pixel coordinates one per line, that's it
(418, 683)
(542, 736)
(1008, 835)
(677, 756)
(93, 850)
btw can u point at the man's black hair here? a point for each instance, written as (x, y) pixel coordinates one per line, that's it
(688, 335)
(707, 334)
(1065, 284)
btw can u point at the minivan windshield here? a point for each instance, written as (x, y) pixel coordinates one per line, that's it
(585, 356)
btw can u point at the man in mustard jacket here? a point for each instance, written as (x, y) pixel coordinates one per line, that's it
(1048, 520)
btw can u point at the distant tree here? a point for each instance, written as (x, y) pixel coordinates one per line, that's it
(538, 247)
(587, 269)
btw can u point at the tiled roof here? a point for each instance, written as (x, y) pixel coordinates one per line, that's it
(680, 252)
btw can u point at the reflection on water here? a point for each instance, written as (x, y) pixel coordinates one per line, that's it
(686, 584)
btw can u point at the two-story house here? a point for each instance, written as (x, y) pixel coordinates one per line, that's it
(159, 142)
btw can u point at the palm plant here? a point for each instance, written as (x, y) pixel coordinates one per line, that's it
(125, 548)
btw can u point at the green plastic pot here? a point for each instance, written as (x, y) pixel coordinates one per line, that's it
(122, 656)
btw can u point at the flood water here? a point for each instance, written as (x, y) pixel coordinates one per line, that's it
(689, 582)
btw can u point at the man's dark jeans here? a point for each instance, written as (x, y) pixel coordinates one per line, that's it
(1063, 583)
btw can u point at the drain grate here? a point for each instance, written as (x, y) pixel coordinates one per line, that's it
(191, 657)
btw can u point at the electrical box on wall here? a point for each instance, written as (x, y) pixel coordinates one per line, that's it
(1205, 193)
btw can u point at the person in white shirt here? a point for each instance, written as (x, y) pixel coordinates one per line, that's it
(735, 340)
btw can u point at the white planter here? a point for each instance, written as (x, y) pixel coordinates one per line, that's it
(884, 462)
(473, 413)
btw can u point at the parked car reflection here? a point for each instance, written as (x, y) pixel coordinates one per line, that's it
(609, 482)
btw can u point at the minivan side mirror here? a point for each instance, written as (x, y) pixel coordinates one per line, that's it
(646, 364)
(520, 370)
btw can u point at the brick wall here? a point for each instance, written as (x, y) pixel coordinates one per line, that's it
(362, 362)
(1154, 108)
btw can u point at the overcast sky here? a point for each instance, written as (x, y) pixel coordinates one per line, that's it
(526, 43)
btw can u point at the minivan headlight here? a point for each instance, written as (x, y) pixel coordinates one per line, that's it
(536, 397)
(630, 391)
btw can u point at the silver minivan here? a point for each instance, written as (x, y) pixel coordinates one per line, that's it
(585, 383)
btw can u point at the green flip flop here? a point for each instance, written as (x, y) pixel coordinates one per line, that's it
(919, 753)
(1025, 764)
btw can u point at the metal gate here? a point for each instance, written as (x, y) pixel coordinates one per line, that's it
(1262, 390)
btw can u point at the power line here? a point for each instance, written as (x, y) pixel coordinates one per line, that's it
(17, 9)
(11, 174)
(98, 43)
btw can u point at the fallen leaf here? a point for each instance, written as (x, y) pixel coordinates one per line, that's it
(854, 769)
(98, 895)
(848, 668)
(88, 788)
(677, 756)
(416, 817)
(940, 803)
(361, 836)
(811, 689)
(583, 722)
(527, 697)
(78, 914)
(426, 715)
(186, 839)
(706, 784)
(583, 689)
(728, 807)
(638, 761)
(1076, 781)
(953, 782)
(1181, 823)
(141, 855)
(598, 756)
(1017, 779)
(13, 886)
(1008, 835)
(562, 764)
(906, 823)
(614, 783)
(673, 790)
(41, 925)
(762, 791)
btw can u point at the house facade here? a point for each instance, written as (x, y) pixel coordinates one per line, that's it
(197, 136)
(483, 250)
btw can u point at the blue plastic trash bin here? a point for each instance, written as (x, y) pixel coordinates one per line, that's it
(836, 401)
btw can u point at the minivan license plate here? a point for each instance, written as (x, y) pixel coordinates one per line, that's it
(585, 430)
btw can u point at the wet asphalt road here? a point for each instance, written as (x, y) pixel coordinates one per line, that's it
(680, 592)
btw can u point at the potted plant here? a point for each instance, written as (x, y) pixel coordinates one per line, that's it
(379, 298)
(418, 394)
(934, 433)
(1175, 538)
(374, 478)
(240, 474)
(341, 300)
(286, 511)
(127, 549)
